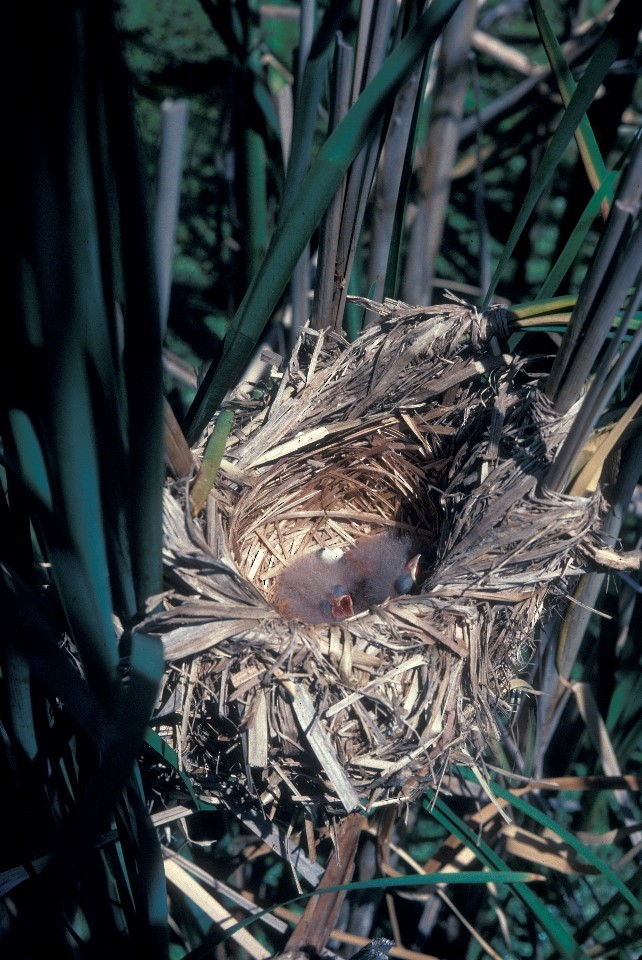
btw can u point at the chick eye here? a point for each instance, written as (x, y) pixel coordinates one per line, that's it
(338, 590)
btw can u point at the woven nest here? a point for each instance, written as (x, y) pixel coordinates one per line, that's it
(422, 425)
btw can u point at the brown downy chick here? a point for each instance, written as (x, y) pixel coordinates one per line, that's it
(328, 585)
(312, 588)
(380, 567)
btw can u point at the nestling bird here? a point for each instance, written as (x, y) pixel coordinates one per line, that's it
(330, 585)
(380, 567)
(311, 588)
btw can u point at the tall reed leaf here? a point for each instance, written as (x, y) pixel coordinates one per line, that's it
(81, 422)
(586, 142)
(627, 18)
(560, 935)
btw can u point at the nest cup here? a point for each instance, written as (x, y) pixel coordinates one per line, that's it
(421, 426)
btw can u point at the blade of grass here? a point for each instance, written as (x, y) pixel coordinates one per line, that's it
(212, 456)
(541, 307)
(472, 877)
(589, 476)
(586, 142)
(306, 109)
(331, 224)
(556, 828)
(375, 21)
(300, 283)
(393, 268)
(571, 249)
(141, 487)
(559, 933)
(612, 272)
(190, 887)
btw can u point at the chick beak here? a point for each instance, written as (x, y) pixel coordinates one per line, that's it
(412, 567)
(405, 583)
(341, 606)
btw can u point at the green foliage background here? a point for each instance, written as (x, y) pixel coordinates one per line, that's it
(174, 51)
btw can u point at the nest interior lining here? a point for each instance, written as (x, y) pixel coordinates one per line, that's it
(385, 481)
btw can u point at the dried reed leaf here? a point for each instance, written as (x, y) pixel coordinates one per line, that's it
(321, 744)
(193, 890)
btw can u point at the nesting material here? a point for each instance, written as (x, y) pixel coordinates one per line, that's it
(420, 429)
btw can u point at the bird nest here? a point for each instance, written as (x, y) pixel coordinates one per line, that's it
(421, 427)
